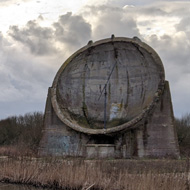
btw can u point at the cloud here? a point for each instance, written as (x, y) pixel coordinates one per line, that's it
(31, 54)
(38, 39)
(107, 20)
(173, 48)
(30, 57)
(184, 24)
(24, 79)
(72, 30)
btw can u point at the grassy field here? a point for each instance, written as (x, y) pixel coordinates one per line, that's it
(97, 174)
(20, 137)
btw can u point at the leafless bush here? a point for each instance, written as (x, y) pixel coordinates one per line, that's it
(183, 133)
(21, 133)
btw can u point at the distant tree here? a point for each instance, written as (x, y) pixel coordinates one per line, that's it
(183, 133)
(22, 130)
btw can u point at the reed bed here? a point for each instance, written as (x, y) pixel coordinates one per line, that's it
(79, 174)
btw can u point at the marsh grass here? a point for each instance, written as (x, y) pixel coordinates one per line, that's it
(16, 151)
(92, 174)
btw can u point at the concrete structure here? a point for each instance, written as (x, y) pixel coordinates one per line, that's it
(110, 99)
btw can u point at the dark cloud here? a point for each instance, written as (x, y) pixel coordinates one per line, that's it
(38, 39)
(72, 30)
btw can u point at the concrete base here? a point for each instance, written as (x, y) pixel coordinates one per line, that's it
(154, 136)
(100, 150)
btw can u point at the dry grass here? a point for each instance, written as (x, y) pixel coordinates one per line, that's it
(105, 175)
(16, 150)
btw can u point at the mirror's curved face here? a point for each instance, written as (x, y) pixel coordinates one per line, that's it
(108, 84)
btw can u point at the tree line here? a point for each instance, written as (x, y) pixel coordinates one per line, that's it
(22, 131)
(26, 131)
(183, 134)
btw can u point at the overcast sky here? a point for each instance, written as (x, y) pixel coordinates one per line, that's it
(36, 36)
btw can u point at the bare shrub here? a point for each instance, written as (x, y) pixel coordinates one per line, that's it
(183, 133)
(21, 132)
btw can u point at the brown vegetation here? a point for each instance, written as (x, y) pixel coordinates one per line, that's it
(20, 135)
(105, 175)
(183, 133)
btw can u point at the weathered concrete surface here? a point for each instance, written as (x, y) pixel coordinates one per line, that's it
(132, 77)
(158, 136)
(125, 73)
(138, 109)
(100, 151)
(58, 139)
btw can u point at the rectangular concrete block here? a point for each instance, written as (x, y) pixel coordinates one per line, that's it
(100, 151)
